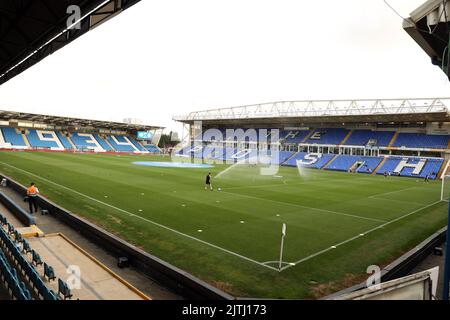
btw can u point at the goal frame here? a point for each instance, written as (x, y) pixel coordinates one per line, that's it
(443, 179)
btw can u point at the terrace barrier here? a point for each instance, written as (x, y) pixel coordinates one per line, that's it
(24, 217)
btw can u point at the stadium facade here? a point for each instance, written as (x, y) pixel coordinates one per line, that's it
(404, 137)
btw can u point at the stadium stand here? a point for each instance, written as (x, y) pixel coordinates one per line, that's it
(57, 140)
(363, 164)
(376, 138)
(86, 141)
(233, 155)
(294, 136)
(8, 276)
(412, 167)
(20, 267)
(370, 164)
(333, 136)
(103, 143)
(28, 131)
(64, 140)
(421, 140)
(13, 137)
(309, 160)
(122, 144)
(44, 139)
(136, 144)
(152, 148)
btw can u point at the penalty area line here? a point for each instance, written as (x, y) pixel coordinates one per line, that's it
(358, 236)
(144, 219)
(306, 207)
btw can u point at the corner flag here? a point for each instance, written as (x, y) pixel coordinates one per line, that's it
(283, 234)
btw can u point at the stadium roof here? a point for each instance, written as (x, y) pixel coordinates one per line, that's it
(428, 26)
(327, 111)
(30, 30)
(72, 122)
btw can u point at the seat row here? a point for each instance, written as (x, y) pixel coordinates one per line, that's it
(17, 249)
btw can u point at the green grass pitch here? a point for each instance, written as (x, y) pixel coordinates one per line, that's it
(369, 219)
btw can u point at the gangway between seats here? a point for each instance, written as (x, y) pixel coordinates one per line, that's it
(92, 279)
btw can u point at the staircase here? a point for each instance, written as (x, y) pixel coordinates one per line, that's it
(69, 138)
(108, 143)
(289, 158)
(443, 169)
(25, 139)
(2, 140)
(379, 166)
(330, 162)
(394, 138)
(346, 138)
(308, 135)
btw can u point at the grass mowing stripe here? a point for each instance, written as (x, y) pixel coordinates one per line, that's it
(219, 215)
(306, 207)
(142, 218)
(358, 236)
(391, 192)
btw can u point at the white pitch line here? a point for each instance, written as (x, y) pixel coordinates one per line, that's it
(395, 200)
(306, 207)
(358, 236)
(291, 184)
(277, 262)
(391, 192)
(144, 219)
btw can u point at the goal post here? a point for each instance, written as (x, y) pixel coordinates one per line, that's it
(445, 188)
(445, 181)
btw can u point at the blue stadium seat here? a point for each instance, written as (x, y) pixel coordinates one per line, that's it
(430, 168)
(103, 143)
(64, 289)
(81, 142)
(27, 269)
(35, 142)
(362, 137)
(315, 161)
(8, 275)
(49, 273)
(3, 220)
(333, 136)
(64, 140)
(26, 247)
(14, 138)
(421, 140)
(345, 162)
(152, 148)
(36, 258)
(123, 145)
(370, 164)
(294, 136)
(139, 146)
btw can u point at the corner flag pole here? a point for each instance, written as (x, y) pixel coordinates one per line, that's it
(445, 295)
(283, 234)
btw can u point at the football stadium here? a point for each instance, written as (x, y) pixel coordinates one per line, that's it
(278, 200)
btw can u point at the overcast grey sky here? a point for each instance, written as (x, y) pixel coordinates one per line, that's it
(161, 58)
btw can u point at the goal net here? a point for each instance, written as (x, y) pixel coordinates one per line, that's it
(445, 188)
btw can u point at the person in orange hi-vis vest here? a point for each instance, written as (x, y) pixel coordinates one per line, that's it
(32, 193)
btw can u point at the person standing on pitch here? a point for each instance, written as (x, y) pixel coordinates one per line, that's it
(32, 193)
(208, 182)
